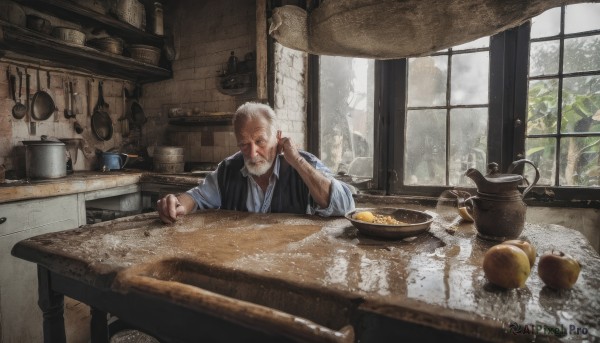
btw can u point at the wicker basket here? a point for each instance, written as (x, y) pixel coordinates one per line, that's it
(132, 12)
(108, 44)
(69, 35)
(145, 53)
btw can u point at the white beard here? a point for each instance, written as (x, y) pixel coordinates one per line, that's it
(258, 166)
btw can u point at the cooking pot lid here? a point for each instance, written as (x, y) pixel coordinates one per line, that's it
(44, 142)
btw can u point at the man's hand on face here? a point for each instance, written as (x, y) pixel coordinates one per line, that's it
(169, 208)
(286, 147)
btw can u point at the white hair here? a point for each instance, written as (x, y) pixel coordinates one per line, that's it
(253, 110)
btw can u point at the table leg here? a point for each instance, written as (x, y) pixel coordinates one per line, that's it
(52, 305)
(99, 326)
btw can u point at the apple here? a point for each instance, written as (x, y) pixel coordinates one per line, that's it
(526, 247)
(558, 270)
(506, 266)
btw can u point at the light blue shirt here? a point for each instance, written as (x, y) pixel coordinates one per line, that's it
(208, 196)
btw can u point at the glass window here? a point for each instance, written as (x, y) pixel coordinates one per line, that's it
(582, 17)
(563, 119)
(446, 114)
(546, 24)
(446, 129)
(346, 93)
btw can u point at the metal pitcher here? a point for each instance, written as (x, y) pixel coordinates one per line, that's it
(498, 208)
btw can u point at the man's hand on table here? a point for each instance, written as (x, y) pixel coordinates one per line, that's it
(172, 206)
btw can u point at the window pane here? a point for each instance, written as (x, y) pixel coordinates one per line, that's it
(542, 152)
(543, 58)
(580, 161)
(468, 142)
(476, 44)
(427, 81)
(542, 111)
(546, 24)
(581, 104)
(425, 148)
(469, 81)
(582, 54)
(582, 17)
(346, 113)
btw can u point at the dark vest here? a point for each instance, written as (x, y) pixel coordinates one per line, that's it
(289, 196)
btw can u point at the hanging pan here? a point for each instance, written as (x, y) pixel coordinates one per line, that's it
(135, 112)
(102, 125)
(42, 105)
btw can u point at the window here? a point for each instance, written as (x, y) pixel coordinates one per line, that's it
(529, 92)
(346, 126)
(563, 117)
(447, 115)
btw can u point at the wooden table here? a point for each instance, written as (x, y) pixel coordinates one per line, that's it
(231, 276)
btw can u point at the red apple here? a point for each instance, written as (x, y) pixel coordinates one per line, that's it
(558, 270)
(506, 266)
(527, 248)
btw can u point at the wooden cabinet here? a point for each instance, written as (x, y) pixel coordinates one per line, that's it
(20, 43)
(20, 317)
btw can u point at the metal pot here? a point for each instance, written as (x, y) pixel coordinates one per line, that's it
(114, 160)
(45, 159)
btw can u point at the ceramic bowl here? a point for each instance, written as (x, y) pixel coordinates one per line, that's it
(413, 222)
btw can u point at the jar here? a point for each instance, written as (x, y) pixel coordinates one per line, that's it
(158, 19)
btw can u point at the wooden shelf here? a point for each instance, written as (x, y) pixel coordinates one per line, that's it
(24, 44)
(216, 119)
(71, 11)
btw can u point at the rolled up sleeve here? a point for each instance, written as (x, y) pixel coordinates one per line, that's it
(340, 201)
(206, 194)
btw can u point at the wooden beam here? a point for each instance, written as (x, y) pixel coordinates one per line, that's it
(261, 50)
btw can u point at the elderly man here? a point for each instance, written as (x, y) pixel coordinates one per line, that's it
(268, 174)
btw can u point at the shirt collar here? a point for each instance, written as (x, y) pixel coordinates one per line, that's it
(245, 172)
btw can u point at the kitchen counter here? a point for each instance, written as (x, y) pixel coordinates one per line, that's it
(315, 278)
(87, 181)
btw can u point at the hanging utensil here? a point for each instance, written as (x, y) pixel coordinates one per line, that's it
(10, 89)
(89, 97)
(19, 110)
(77, 101)
(68, 99)
(123, 119)
(49, 91)
(102, 124)
(32, 127)
(42, 104)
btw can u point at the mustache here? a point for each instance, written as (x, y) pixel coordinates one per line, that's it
(256, 159)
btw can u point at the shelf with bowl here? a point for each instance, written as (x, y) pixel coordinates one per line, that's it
(27, 45)
(77, 13)
(219, 118)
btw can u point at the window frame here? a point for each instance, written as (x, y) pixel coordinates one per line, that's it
(507, 106)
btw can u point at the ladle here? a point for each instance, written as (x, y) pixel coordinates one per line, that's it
(19, 110)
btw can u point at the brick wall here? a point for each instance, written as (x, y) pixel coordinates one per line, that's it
(290, 92)
(205, 34)
(14, 131)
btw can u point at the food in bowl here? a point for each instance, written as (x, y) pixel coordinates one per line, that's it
(369, 217)
(365, 216)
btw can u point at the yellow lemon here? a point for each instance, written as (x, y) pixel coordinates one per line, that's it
(365, 216)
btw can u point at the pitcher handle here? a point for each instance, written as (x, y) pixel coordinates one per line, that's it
(537, 173)
(121, 156)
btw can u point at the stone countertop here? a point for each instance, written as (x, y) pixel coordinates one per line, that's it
(434, 279)
(87, 181)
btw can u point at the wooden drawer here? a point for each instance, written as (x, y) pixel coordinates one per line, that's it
(30, 214)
